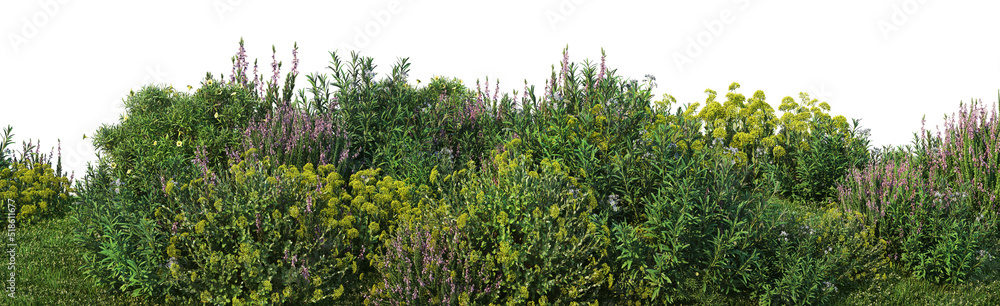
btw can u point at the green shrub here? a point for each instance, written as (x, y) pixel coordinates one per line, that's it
(700, 232)
(591, 121)
(161, 123)
(261, 235)
(405, 130)
(123, 245)
(534, 230)
(816, 150)
(152, 146)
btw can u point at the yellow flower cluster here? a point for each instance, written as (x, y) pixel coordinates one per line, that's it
(35, 190)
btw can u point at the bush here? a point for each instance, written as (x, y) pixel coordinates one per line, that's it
(123, 246)
(261, 235)
(701, 233)
(154, 145)
(31, 185)
(534, 230)
(814, 150)
(591, 121)
(428, 259)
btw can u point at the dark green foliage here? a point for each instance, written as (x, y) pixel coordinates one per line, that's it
(123, 246)
(828, 157)
(701, 232)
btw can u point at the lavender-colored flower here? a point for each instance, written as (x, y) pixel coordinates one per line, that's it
(275, 65)
(295, 60)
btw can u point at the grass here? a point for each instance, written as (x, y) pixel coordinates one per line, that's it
(47, 274)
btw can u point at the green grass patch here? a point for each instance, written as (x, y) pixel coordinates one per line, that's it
(47, 269)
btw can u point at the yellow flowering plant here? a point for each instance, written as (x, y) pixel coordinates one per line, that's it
(31, 184)
(290, 227)
(814, 150)
(526, 226)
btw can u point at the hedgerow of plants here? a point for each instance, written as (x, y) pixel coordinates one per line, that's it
(246, 192)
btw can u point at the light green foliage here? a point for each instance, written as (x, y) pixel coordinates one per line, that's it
(263, 235)
(34, 189)
(740, 123)
(162, 127)
(526, 223)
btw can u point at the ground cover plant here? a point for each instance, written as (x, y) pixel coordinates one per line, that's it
(368, 189)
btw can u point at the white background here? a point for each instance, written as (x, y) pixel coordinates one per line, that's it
(66, 65)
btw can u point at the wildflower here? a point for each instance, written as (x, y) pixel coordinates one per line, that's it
(216, 115)
(209, 83)
(189, 87)
(155, 142)
(180, 143)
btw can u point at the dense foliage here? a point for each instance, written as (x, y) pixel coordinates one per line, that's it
(360, 189)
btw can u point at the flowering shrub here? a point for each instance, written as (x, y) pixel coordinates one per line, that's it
(814, 150)
(931, 206)
(426, 261)
(154, 144)
(162, 128)
(261, 235)
(534, 230)
(740, 123)
(36, 189)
